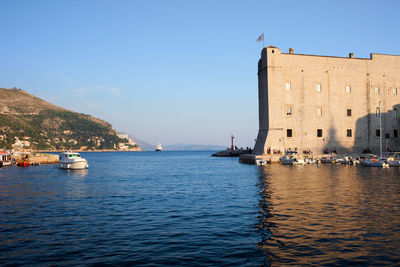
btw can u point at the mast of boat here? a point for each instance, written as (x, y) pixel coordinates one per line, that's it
(380, 131)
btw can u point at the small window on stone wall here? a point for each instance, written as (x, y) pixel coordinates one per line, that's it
(348, 89)
(288, 87)
(349, 112)
(289, 133)
(289, 110)
(349, 133)
(319, 88)
(395, 134)
(319, 132)
(378, 133)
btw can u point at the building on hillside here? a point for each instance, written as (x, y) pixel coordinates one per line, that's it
(125, 136)
(310, 102)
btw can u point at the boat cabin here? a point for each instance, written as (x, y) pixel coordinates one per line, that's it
(5, 158)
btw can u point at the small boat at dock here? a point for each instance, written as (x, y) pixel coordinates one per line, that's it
(394, 159)
(374, 162)
(5, 158)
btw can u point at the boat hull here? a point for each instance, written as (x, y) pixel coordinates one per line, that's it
(77, 165)
(394, 163)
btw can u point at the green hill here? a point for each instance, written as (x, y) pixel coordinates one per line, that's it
(42, 125)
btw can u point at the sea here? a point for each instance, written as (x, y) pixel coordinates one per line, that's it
(187, 208)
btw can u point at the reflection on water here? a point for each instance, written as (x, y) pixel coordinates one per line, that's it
(77, 173)
(329, 215)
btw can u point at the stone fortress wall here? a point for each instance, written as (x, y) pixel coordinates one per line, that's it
(314, 102)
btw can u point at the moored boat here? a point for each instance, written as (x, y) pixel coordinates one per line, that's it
(5, 158)
(330, 159)
(291, 160)
(24, 163)
(394, 160)
(375, 162)
(286, 160)
(72, 160)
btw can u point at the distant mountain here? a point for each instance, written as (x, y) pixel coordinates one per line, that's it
(144, 145)
(193, 147)
(27, 121)
(177, 147)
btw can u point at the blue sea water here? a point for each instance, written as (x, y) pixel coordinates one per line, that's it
(191, 209)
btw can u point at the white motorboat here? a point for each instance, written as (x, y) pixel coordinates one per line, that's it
(159, 148)
(286, 160)
(72, 160)
(261, 162)
(291, 160)
(394, 160)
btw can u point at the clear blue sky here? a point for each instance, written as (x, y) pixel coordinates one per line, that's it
(175, 71)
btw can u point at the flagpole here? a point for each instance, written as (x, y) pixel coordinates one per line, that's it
(263, 41)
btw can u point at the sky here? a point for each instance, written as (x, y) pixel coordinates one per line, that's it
(176, 71)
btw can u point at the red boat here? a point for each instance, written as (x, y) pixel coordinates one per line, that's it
(23, 163)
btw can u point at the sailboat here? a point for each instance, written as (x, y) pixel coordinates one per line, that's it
(158, 147)
(373, 161)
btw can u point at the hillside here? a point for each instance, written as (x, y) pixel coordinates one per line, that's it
(27, 121)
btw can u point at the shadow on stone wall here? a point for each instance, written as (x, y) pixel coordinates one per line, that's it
(366, 138)
(333, 144)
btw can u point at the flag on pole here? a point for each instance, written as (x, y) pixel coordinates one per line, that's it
(261, 38)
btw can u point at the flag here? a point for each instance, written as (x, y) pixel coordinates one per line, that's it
(261, 38)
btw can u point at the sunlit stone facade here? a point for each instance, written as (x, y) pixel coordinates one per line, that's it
(314, 102)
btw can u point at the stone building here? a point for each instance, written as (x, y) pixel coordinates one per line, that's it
(312, 102)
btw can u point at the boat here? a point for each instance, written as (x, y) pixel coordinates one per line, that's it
(261, 162)
(291, 160)
(72, 160)
(24, 163)
(394, 160)
(286, 160)
(330, 159)
(159, 148)
(5, 158)
(374, 162)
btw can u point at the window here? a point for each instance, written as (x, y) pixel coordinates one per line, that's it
(319, 132)
(378, 133)
(288, 87)
(377, 111)
(319, 112)
(349, 112)
(348, 89)
(319, 88)
(395, 134)
(289, 110)
(394, 91)
(349, 134)
(377, 90)
(289, 132)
